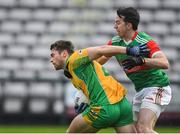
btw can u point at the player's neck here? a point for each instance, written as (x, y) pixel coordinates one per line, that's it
(65, 62)
(129, 35)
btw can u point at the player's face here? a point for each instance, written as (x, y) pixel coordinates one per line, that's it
(120, 26)
(57, 59)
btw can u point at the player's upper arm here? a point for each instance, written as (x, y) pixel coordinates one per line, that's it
(155, 50)
(154, 47)
(157, 54)
(103, 59)
(79, 58)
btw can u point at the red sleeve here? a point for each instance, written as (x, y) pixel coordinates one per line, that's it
(109, 42)
(154, 47)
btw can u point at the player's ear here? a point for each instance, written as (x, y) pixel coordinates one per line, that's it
(65, 53)
(129, 26)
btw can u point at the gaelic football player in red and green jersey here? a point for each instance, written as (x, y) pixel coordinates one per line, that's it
(108, 106)
(150, 81)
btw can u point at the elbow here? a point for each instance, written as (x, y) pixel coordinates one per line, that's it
(166, 65)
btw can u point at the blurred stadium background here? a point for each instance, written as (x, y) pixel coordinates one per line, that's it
(31, 92)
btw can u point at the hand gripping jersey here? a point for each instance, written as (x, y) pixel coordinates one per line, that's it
(94, 80)
(139, 75)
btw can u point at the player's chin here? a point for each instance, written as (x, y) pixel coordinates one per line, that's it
(57, 68)
(119, 34)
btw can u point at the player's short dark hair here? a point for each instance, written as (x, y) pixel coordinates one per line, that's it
(61, 45)
(130, 15)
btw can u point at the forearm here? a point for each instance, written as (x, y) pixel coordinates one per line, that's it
(107, 51)
(110, 51)
(159, 63)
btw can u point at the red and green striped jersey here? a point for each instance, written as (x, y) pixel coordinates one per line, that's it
(139, 75)
(94, 80)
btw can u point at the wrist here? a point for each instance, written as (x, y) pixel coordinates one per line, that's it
(144, 60)
(127, 50)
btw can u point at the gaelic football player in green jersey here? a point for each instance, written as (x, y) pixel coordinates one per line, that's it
(108, 106)
(150, 81)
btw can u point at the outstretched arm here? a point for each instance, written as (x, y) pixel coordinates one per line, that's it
(103, 59)
(107, 51)
(159, 60)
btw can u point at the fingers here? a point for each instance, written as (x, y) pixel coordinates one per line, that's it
(125, 61)
(127, 67)
(145, 51)
(127, 64)
(143, 46)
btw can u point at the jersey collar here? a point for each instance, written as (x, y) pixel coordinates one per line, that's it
(134, 36)
(66, 70)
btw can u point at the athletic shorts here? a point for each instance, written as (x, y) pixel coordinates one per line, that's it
(112, 115)
(152, 98)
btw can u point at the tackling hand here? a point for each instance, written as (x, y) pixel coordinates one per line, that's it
(140, 50)
(132, 62)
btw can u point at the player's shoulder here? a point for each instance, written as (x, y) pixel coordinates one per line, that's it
(143, 37)
(78, 58)
(72, 58)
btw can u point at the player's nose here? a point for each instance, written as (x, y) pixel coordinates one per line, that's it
(115, 26)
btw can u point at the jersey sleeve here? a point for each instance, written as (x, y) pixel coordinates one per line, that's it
(153, 46)
(109, 42)
(79, 58)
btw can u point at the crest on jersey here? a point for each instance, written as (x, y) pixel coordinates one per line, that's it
(80, 51)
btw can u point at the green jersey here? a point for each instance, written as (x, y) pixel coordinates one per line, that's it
(140, 75)
(94, 80)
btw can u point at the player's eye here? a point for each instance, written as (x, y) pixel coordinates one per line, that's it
(117, 22)
(52, 55)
